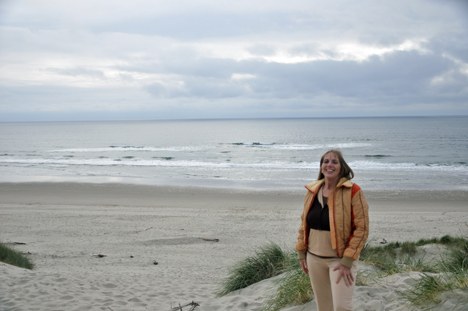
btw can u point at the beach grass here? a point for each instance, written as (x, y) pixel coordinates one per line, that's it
(449, 274)
(292, 288)
(270, 260)
(396, 257)
(12, 257)
(452, 276)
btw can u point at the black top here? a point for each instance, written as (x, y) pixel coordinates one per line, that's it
(318, 217)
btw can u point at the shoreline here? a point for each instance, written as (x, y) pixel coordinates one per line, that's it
(65, 225)
(220, 183)
(71, 193)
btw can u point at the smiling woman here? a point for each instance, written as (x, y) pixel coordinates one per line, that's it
(333, 231)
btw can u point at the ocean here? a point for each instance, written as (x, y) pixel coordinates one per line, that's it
(384, 153)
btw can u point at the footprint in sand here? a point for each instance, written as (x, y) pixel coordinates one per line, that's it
(109, 285)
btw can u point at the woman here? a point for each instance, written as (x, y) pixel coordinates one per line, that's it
(333, 231)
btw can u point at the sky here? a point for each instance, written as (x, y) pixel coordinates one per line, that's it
(198, 59)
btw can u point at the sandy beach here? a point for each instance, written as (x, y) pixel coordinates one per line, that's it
(165, 246)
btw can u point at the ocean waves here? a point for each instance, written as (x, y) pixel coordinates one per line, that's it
(267, 165)
(310, 147)
(263, 145)
(383, 152)
(131, 149)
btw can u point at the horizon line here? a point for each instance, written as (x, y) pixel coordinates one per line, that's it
(247, 118)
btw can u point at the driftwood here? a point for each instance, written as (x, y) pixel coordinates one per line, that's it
(211, 240)
(99, 255)
(20, 243)
(193, 304)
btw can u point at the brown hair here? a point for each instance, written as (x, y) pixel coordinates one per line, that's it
(345, 170)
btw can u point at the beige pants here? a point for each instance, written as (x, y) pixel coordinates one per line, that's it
(330, 296)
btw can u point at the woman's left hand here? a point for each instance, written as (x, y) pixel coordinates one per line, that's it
(345, 273)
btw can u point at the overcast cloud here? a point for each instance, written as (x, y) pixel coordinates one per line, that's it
(92, 59)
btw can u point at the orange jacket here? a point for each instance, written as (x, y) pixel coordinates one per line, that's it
(349, 220)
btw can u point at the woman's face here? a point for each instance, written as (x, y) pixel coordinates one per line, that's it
(331, 166)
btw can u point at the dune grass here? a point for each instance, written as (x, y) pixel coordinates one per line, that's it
(267, 262)
(271, 260)
(452, 276)
(449, 274)
(10, 256)
(396, 257)
(293, 288)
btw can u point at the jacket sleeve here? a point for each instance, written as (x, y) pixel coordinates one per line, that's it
(300, 239)
(360, 228)
(300, 246)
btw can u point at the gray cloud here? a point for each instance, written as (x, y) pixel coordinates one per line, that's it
(387, 78)
(236, 58)
(79, 71)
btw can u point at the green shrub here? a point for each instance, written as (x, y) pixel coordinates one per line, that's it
(10, 256)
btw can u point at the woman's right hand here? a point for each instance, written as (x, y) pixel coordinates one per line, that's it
(304, 268)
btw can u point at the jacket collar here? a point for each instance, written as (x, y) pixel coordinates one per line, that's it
(315, 186)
